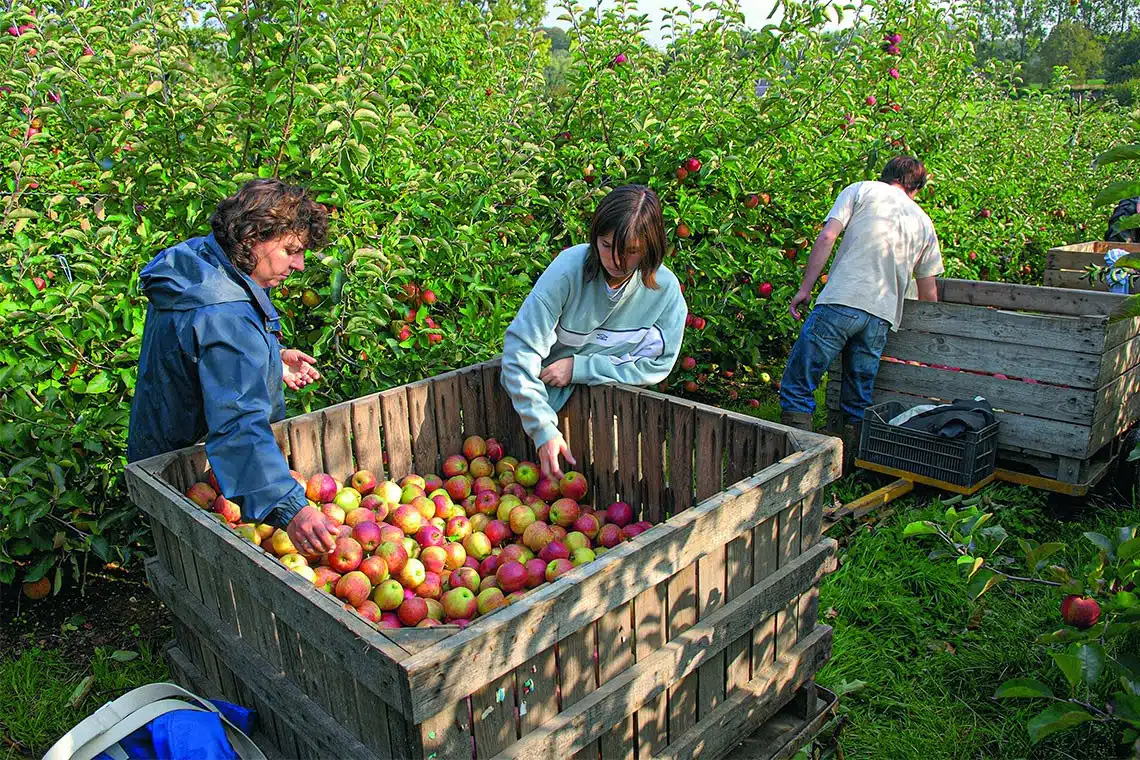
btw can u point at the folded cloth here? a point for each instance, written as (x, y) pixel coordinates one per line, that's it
(899, 419)
(185, 735)
(953, 420)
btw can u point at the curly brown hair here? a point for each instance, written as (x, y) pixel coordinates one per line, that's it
(264, 209)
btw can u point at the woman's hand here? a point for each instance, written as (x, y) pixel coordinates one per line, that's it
(297, 369)
(558, 373)
(548, 456)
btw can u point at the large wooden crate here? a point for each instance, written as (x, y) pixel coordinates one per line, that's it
(676, 644)
(1087, 370)
(1065, 265)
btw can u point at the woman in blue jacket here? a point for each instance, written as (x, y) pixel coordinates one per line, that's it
(211, 365)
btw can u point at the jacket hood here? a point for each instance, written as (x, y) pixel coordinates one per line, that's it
(198, 273)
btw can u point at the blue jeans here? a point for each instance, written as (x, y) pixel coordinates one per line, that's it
(831, 330)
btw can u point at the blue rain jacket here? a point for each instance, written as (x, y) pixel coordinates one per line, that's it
(210, 366)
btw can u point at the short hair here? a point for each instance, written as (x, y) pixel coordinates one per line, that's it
(265, 209)
(633, 214)
(906, 171)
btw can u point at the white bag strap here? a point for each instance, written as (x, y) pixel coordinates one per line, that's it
(117, 719)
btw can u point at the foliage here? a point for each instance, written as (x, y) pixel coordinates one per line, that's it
(429, 129)
(1090, 654)
(1073, 45)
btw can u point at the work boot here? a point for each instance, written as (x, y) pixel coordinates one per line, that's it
(851, 434)
(797, 420)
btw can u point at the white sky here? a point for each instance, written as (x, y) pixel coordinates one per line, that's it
(755, 13)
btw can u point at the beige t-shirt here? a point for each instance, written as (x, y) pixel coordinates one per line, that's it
(888, 241)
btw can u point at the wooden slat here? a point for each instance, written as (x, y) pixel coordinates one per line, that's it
(1016, 431)
(1116, 421)
(305, 454)
(447, 735)
(494, 710)
(503, 422)
(1004, 295)
(604, 444)
(628, 453)
(517, 633)
(577, 675)
(751, 707)
(421, 428)
(1036, 400)
(336, 443)
(615, 655)
(369, 453)
(1058, 365)
(473, 400)
(266, 680)
(448, 414)
(711, 567)
(1081, 255)
(653, 457)
(742, 444)
(418, 639)
(681, 422)
(346, 638)
(1120, 332)
(738, 654)
(397, 437)
(576, 419)
(765, 562)
(1119, 359)
(1080, 334)
(373, 721)
(683, 605)
(536, 685)
(787, 621)
(650, 625)
(579, 724)
(1078, 280)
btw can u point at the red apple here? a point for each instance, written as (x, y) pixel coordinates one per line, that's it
(321, 488)
(454, 465)
(497, 532)
(429, 535)
(481, 467)
(511, 576)
(554, 550)
(367, 534)
(487, 503)
(390, 533)
(540, 508)
(477, 545)
(489, 600)
(688, 363)
(389, 620)
(408, 519)
(558, 567)
(1080, 611)
(369, 611)
(610, 535)
(547, 489)
(489, 565)
(458, 487)
(434, 558)
(375, 568)
(537, 535)
(364, 482)
(229, 511)
(325, 578)
(692, 164)
(632, 531)
(353, 517)
(765, 290)
(456, 555)
(520, 518)
(466, 577)
(535, 572)
(202, 495)
(515, 553)
(431, 587)
(484, 484)
(494, 450)
(474, 446)
(354, 588)
(573, 486)
(588, 524)
(334, 513)
(620, 514)
(425, 506)
(394, 555)
(412, 611)
(564, 512)
(346, 556)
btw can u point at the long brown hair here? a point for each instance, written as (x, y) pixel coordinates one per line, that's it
(264, 209)
(633, 214)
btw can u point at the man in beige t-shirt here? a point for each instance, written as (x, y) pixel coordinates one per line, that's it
(888, 242)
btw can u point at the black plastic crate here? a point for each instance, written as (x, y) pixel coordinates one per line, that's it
(963, 461)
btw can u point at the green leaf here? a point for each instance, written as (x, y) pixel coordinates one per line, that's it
(123, 655)
(1118, 153)
(1022, 687)
(334, 126)
(1127, 309)
(1054, 718)
(153, 87)
(1070, 666)
(983, 581)
(923, 528)
(1117, 191)
(1101, 540)
(1128, 549)
(101, 383)
(1091, 659)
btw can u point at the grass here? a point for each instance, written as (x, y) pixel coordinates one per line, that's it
(919, 680)
(37, 686)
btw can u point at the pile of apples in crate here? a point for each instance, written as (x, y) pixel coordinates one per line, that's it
(430, 550)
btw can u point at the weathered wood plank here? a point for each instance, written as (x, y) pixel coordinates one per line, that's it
(1080, 334)
(536, 684)
(494, 710)
(579, 724)
(650, 625)
(336, 443)
(447, 735)
(517, 633)
(305, 455)
(397, 437)
(474, 402)
(1079, 280)
(421, 428)
(683, 605)
(615, 655)
(1115, 422)
(578, 674)
(267, 681)
(765, 562)
(448, 414)
(604, 444)
(418, 639)
(681, 423)
(1081, 255)
(1036, 400)
(1119, 359)
(752, 706)
(1004, 295)
(653, 457)
(627, 413)
(346, 638)
(738, 654)
(366, 435)
(742, 443)
(575, 422)
(373, 721)
(1058, 365)
(1017, 431)
(503, 421)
